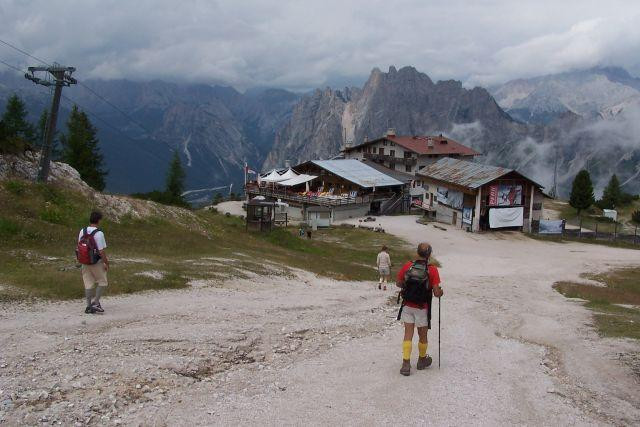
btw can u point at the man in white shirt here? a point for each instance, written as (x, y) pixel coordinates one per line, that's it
(93, 274)
(384, 267)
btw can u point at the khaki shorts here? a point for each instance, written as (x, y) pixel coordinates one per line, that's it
(415, 315)
(92, 274)
(384, 271)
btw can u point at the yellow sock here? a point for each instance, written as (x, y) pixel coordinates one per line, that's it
(422, 348)
(406, 350)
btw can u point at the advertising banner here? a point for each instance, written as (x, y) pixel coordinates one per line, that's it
(505, 195)
(467, 215)
(550, 226)
(450, 197)
(506, 217)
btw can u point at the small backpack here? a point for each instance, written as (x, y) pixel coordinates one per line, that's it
(416, 283)
(87, 250)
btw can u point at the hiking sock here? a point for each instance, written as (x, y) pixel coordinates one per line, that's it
(88, 294)
(380, 281)
(406, 350)
(422, 349)
(99, 290)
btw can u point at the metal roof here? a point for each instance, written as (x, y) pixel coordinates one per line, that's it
(466, 174)
(357, 172)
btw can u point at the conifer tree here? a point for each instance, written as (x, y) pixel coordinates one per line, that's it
(581, 191)
(81, 151)
(17, 133)
(612, 195)
(175, 182)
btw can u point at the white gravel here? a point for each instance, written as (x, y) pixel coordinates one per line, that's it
(281, 351)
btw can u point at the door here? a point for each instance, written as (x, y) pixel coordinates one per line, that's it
(455, 217)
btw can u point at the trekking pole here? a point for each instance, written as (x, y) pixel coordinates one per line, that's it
(439, 306)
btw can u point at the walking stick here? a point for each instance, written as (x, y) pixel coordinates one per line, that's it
(439, 305)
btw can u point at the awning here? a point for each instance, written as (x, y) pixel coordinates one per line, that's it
(289, 174)
(300, 179)
(272, 176)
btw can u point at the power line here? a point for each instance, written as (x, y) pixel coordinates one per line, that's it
(131, 119)
(11, 66)
(88, 111)
(23, 52)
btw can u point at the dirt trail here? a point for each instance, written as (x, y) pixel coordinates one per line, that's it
(316, 351)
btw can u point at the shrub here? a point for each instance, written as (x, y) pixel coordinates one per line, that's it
(635, 217)
(14, 187)
(52, 214)
(8, 228)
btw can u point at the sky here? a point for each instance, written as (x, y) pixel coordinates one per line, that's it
(300, 45)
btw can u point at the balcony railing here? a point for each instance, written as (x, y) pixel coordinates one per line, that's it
(391, 159)
(327, 201)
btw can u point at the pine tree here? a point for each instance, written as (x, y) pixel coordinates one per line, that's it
(175, 182)
(612, 195)
(17, 133)
(581, 191)
(81, 151)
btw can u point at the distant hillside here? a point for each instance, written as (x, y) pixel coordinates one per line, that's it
(593, 93)
(214, 128)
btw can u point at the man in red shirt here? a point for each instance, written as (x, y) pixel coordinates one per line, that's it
(418, 281)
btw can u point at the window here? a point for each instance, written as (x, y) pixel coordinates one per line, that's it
(381, 151)
(408, 168)
(392, 153)
(407, 154)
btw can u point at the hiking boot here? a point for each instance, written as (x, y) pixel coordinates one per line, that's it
(424, 362)
(89, 310)
(384, 288)
(406, 368)
(97, 307)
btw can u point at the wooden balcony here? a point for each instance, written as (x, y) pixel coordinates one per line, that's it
(390, 159)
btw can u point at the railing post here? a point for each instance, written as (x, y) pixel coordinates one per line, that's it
(615, 230)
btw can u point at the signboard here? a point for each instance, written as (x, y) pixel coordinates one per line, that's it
(506, 217)
(505, 195)
(467, 215)
(450, 197)
(550, 226)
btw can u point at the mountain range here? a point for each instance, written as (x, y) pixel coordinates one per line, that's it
(571, 120)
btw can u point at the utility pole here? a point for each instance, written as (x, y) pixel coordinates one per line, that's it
(62, 77)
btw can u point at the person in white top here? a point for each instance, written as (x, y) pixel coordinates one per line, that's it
(384, 267)
(95, 273)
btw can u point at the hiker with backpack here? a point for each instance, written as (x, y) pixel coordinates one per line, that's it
(418, 282)
(90, 252)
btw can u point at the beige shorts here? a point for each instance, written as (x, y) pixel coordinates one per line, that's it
(384, 271)
(92, 274)
(415, 315)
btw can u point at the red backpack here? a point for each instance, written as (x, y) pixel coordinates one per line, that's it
(87, 250)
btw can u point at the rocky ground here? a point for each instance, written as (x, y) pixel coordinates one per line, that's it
(304, 350)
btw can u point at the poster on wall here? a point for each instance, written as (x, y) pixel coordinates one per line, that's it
(551, 226)
(467, 215)
(506, 217)
(505, 195)
(450, 197)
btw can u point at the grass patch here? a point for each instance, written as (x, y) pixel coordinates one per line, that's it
(622, 287)
(40, 223)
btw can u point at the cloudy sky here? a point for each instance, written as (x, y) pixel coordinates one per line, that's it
(305, 44)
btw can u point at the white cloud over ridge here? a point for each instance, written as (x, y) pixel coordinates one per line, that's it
(303, 44)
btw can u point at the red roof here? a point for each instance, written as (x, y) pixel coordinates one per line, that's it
(439, 145)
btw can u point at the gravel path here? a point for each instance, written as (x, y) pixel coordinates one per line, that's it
(306, 350)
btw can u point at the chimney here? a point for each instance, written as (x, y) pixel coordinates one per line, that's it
(287, 164)
(429, 143)
(390, 132)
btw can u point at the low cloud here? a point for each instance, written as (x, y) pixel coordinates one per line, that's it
(302, 45)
